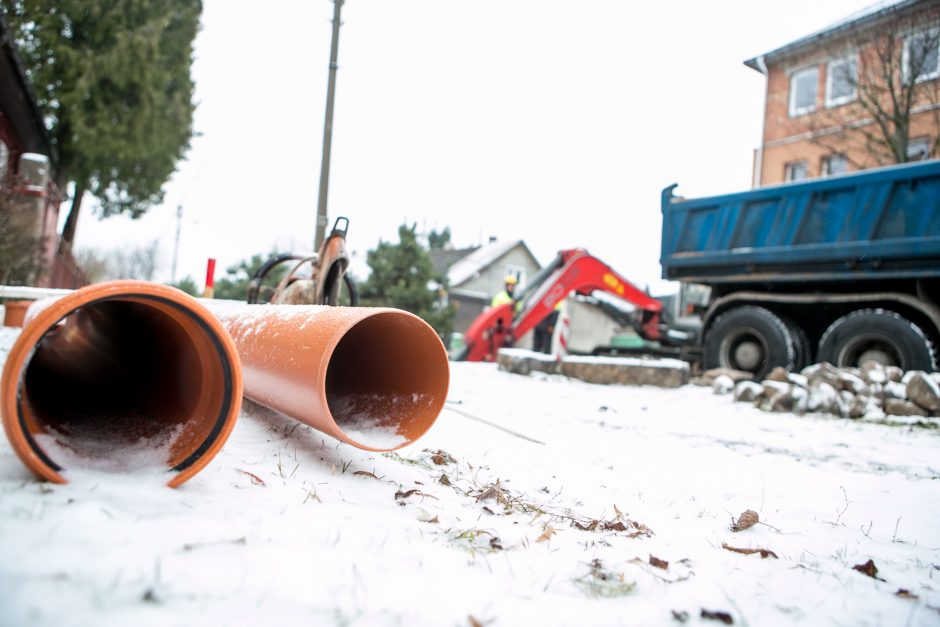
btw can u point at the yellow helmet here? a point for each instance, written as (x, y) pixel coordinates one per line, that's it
(510, 279)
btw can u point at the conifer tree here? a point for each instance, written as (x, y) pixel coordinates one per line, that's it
(402, 276)
(112, 79)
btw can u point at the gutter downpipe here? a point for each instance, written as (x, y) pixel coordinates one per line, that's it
(759, 161)
(123, 376)
(373, 377)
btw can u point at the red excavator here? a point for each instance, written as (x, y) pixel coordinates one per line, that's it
(573, 270)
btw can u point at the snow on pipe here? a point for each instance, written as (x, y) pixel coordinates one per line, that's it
(375, 378)
(125, 376)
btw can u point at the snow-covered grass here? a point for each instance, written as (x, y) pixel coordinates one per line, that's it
(533, 500)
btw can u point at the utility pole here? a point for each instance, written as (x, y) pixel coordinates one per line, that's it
(176, 243)
(327, 131)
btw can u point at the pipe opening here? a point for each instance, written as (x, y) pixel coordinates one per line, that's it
(386, 381)
(132, 383)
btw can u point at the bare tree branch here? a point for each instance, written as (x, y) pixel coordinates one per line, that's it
(894, 81)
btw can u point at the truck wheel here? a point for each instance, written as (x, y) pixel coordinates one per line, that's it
(750, 338)
(801, 345)
(878, 335)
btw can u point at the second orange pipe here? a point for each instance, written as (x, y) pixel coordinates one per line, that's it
(375, 378)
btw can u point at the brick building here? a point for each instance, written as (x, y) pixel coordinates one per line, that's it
(860, 94)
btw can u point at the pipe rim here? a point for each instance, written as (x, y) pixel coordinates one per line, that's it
(370, 316)
(25, 446)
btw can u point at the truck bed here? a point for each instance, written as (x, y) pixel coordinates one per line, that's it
(875, 224)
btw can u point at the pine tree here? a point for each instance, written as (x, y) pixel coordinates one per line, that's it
(438, 240)
(112, 78)
(234, 285)
(403, 277)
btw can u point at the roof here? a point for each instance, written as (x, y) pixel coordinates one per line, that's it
(860, 19)
(481, 258)
(443, 258)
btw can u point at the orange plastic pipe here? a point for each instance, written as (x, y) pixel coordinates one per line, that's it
(124, 376)
(375, 378)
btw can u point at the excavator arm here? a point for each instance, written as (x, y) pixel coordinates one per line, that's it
(572, 270)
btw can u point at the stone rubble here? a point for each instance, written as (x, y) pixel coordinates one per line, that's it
(872, 391)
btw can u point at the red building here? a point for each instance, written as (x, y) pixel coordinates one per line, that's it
(27, 166)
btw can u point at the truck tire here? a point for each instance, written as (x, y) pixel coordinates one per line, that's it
(801, 345)
(878, 334)
(750, 338)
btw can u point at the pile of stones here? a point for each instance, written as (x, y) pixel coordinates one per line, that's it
(872, 391)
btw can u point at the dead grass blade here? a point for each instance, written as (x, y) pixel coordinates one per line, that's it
(255, 479)
(764, 553)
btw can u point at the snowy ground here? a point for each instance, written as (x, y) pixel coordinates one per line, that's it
(289, 527)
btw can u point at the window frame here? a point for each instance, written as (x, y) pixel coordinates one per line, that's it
(934, 32)
(792, 109)
(517, 271)
(841, 100)
(825, 168)
(917, 141)
(789, 167)
(5, 154)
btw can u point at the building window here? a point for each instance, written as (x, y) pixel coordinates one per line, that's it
(796, 171)
(841, 81)
(803, 87)
(4, 158)
(918, 149)
(834, 164)
(518, 272)
(921, 55)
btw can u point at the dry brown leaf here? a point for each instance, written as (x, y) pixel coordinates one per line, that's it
(614, 526)
(588, 527)
(255, 479)
(440, 457)
(869, 569)
(488, 493)
(404, 495)
(907, 594)
(724, 617)
(746, 520)
(764, 553)
(658, 563)
(444, 480)
(365, 473)
(547, 534)
(473, 622)
(618, 512)
(641, 530)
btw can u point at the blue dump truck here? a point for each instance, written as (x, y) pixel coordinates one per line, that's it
(842, 269)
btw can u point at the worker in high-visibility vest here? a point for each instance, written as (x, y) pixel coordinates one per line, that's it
(505, 296)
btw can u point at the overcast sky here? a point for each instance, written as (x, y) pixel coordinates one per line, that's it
(558, 123)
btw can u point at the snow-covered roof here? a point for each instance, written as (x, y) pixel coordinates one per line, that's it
(468, 267)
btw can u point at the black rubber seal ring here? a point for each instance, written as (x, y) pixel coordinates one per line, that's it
(227, 375)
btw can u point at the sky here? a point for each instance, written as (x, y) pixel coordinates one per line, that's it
(558, 123)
